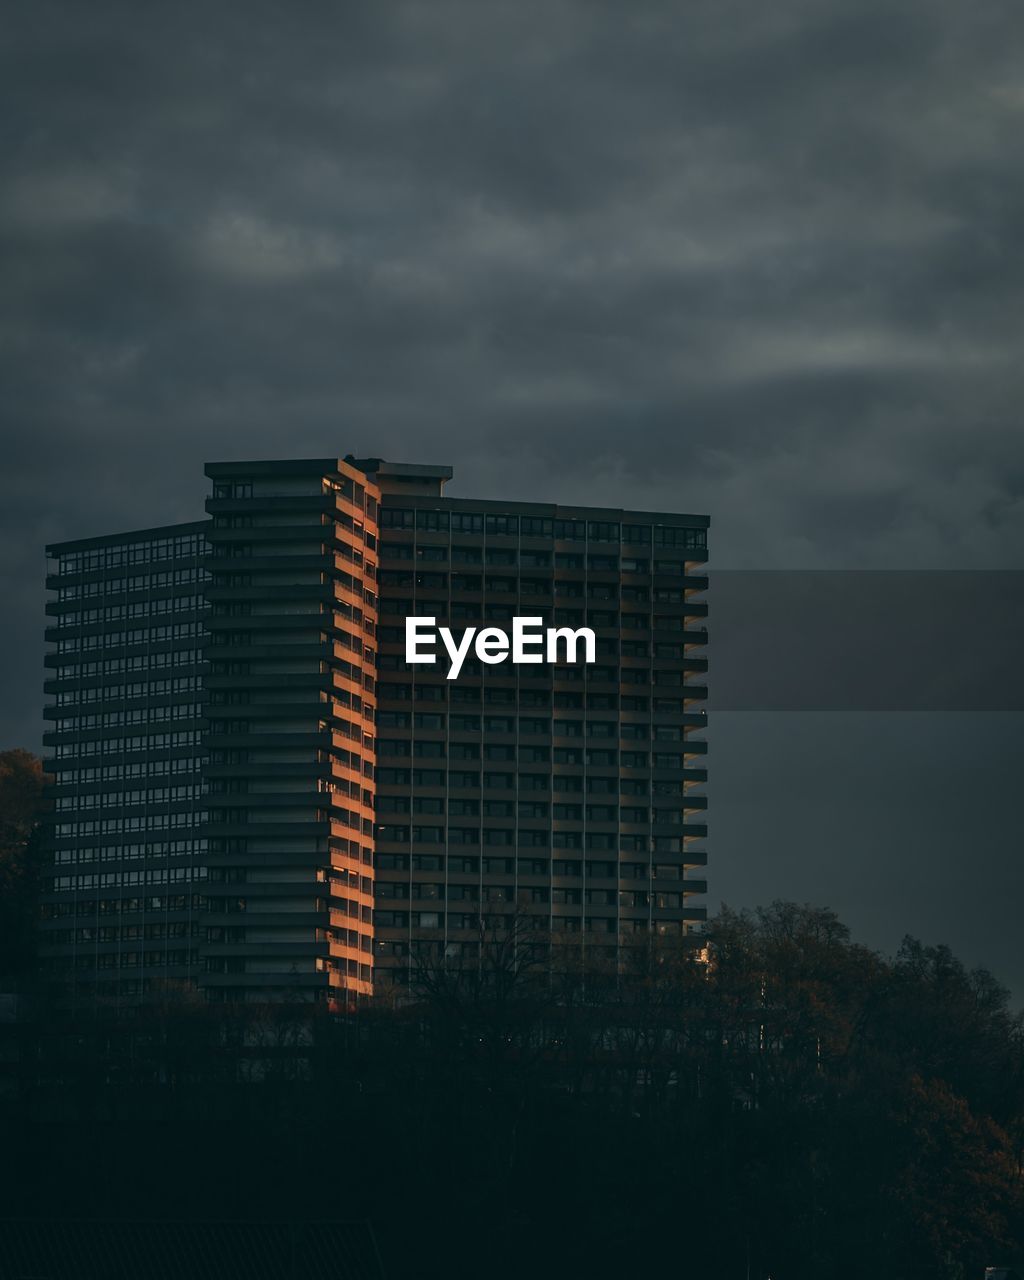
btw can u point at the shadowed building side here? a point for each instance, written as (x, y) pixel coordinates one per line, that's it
(124, 678)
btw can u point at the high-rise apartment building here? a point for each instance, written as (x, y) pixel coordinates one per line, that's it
(125, 748)
(258, 796)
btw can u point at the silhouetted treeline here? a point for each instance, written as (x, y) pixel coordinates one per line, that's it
(789, 1103)
(783, 1102)
(21, 795)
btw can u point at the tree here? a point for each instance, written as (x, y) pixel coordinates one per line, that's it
(22, 788)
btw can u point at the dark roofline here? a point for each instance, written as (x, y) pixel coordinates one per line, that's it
(133, 535)
(401, 470)
(370, 467)
(555, 510)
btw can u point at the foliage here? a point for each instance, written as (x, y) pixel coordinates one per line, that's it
(21, 797)
(783, 1102)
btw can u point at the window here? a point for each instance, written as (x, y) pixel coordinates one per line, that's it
(463, 893)
(637, 533)
(641, 649)
(460, 779)
(671, 536)
(432, 521)
(429, 553)
(532, 809)
(502, 524)
(428, 835)
(601, 728)
(464, 808)
(497, 695)
(534, 697)
(396, 518)
(601, 813)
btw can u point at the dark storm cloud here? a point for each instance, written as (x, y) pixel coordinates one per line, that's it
(758, 260)
(762, 256)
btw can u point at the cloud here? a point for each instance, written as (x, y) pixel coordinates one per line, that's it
(758, 260)
(719, 255)
(249, 248)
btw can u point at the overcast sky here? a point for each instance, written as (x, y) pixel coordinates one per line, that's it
(757, 260)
